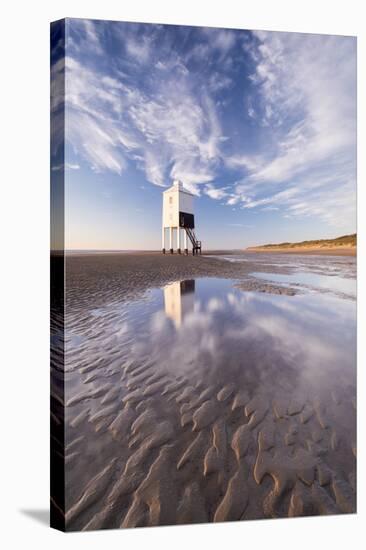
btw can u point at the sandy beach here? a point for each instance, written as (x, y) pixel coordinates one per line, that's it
(209, 388)
(346, 245)
(321, 251)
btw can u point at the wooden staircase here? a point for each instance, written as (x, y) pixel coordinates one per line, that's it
(196, 245)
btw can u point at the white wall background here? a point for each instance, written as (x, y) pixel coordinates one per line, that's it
(24, 270)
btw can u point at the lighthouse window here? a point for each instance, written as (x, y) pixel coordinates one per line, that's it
(170, 200)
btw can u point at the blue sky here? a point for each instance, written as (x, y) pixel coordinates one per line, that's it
(260, 126)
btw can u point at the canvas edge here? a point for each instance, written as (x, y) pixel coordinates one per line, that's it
(57, 276)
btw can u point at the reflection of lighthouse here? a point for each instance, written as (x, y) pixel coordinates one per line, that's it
(179, 300)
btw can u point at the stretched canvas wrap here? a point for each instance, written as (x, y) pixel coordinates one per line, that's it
(203, 275)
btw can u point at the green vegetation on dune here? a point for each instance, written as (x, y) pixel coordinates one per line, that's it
(345, 241)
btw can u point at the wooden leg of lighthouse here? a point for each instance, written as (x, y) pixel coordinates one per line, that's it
(171, 240)
(163, 239)
(185, 243)
(178, 240)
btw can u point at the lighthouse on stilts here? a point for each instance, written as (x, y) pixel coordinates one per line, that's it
(178, 220)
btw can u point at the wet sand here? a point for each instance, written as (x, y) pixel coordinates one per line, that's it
(107, 277)
(199, 424)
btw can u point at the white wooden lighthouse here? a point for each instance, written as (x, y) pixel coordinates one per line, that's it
(178, 220)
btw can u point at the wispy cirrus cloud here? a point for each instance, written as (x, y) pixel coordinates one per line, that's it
(262, 121)
(65, 166)
(305, 86)
(166, 126)
(92, 35)
(216, 193)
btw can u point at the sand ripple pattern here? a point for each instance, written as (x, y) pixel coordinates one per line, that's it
(231, 441)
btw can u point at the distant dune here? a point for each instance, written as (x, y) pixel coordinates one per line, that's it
(346, 244)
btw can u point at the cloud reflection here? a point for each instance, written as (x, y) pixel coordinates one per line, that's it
(308, 337)
(211, 332)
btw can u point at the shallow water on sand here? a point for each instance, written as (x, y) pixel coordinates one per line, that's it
(329, 283)
(201, 402)
(344, 266)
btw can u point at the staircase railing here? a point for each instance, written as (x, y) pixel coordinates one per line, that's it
(196, 244)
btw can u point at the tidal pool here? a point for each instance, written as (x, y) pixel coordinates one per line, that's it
(315, 281)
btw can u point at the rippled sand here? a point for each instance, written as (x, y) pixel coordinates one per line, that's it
(242, 408)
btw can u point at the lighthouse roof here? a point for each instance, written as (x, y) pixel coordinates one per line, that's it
(179, 187)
